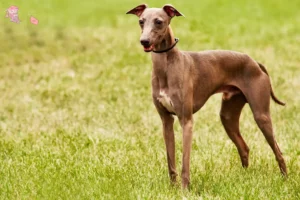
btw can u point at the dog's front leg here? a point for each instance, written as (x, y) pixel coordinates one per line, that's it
(168, 131)
(187, 126)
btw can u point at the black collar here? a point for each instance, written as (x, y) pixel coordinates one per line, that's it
(168, 49)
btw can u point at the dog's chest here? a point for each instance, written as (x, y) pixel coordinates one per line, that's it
(166, 101)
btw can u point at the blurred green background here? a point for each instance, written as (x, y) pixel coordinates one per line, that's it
(76, 113)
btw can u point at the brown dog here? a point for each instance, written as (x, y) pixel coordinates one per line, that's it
(183, 81)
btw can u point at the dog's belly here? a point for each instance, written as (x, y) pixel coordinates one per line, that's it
(166, 101)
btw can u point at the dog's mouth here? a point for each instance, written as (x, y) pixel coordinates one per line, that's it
(148, 48)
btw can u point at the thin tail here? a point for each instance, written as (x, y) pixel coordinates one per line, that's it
(272, 93)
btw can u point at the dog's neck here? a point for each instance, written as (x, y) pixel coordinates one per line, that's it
(160, 60)
(167, 41)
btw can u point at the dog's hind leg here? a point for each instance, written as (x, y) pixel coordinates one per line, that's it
(258, 96)
(230, 114)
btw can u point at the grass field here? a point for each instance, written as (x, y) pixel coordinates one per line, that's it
(76, 113)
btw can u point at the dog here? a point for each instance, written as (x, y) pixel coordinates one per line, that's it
(182, 82)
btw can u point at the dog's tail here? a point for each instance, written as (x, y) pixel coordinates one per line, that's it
(272, 93)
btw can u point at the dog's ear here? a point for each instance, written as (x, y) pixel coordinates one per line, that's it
(171, 11)
(138, 10)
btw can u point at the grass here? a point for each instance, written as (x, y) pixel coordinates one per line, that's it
(77, 119)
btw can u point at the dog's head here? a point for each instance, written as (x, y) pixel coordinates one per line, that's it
(154, 23)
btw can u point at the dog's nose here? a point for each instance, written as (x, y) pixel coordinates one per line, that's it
(145, 42)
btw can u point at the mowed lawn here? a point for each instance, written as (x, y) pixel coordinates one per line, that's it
(76, 113)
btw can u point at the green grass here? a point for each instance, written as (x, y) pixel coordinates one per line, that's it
(76, 113)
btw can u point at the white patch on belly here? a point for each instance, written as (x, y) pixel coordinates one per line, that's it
(165, 100)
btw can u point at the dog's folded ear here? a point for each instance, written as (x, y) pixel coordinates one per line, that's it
(138, 10)
(171, 11)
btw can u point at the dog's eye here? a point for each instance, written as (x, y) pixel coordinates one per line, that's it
(141, 22)
(158, 22)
